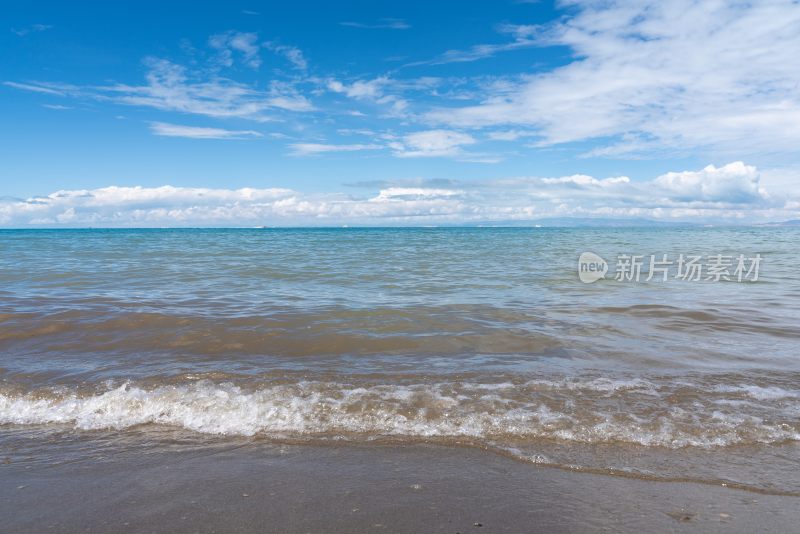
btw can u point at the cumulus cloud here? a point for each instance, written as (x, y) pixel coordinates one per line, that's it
(195, 132)
(133, 206)
(713, 194)
(658, 75)
(734, 182)
(177, 206)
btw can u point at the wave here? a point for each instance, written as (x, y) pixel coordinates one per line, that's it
(654, 413)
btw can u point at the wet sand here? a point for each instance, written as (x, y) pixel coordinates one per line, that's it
(257, 487)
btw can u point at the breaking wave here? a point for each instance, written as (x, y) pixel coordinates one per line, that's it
(668, 413)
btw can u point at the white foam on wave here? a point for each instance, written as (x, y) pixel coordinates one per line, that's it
(309, 409)
(759, 392)
(600, 384)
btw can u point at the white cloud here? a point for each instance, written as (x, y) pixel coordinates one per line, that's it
(291, 102)
(36, 88)
(171, 88)
(375, 90)
(659, 75)
(734, 182)
(201, 90)
(283, 95)
(360, 89)
(508, 135)
(402, 194)
(431, 143)
(385, 23)
(524, 37)
(584, 180)
(781, 181)
(293, 54)
(33, 28)
(194, 132)
(244, 44)
(714, 194)
(312, 149)
(248, 47)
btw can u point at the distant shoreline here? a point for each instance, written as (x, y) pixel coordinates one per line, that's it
(597, 225)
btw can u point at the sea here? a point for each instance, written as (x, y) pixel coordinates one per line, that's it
(487, 338)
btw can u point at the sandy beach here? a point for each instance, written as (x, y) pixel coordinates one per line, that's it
(251, 486)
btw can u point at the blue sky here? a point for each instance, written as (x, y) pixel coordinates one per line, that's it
(398, 112)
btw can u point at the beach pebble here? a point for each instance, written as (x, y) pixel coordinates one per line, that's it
(681, 515)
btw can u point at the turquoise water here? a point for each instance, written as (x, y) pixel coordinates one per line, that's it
(484, 335)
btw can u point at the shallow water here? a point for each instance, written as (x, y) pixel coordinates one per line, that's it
(477, 336)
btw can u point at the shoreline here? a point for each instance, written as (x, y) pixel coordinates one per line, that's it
(255, 486)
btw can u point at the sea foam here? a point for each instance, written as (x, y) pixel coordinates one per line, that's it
(589, 411)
